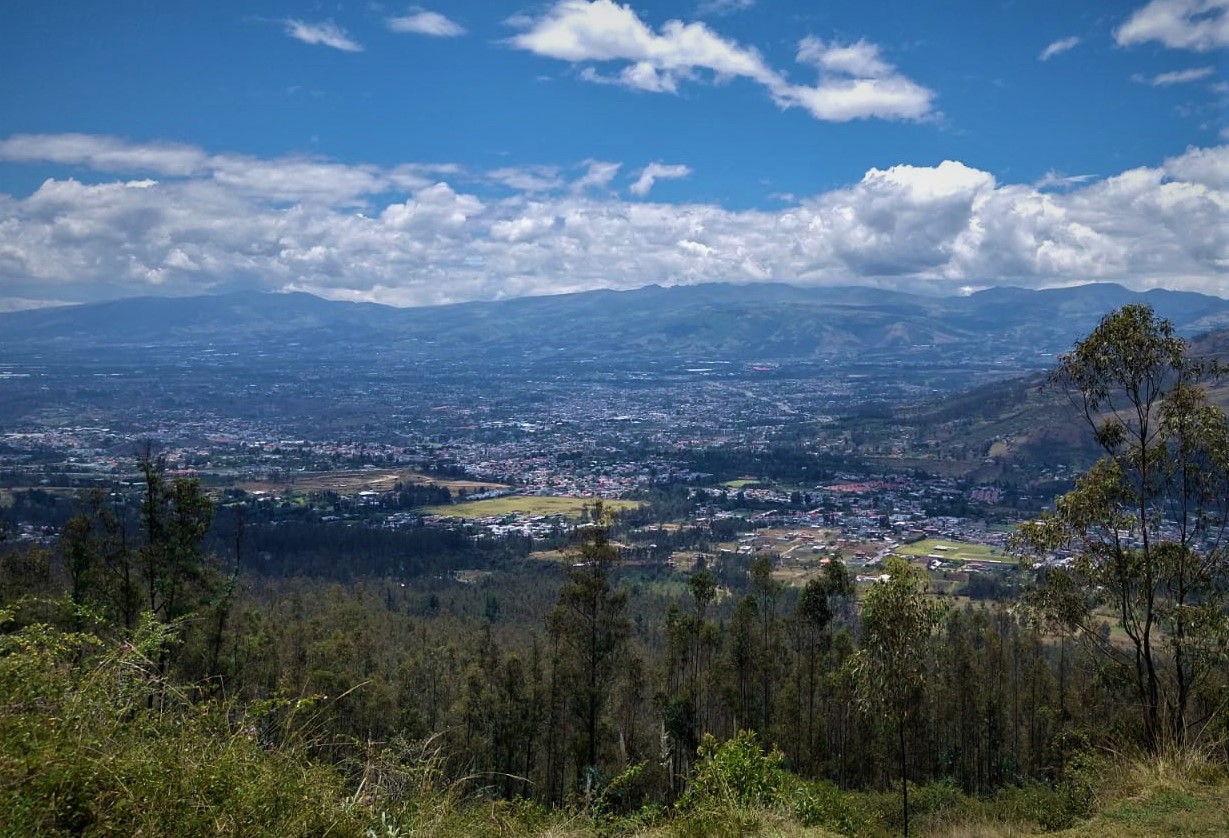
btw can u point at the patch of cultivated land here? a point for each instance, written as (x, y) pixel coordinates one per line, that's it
(954, 551)
(569, 507)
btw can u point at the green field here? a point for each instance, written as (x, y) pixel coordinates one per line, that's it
(526, 505)
(740, 483)
(956, 551)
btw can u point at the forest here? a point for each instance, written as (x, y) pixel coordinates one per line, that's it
(175, 665)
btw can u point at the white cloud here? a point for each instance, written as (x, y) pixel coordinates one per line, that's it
(436, 209)
(653, 172)
(903, 220)
(416, 233)
(1059, 46)
(639, 76)
(528, 178)
(327, 34)
(104, 154)
(723, 7)
(1177, 76)
(1205, 166)
(858, 60)
(1199, 25)
(598, 175)
(602, 30)
(1061, 181)
(422, 22)
(855, 81)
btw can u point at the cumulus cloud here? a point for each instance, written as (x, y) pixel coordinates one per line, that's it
(855, 82)
(1205, 166)
(327, 34)
(1058, 47)
(1199, 25)
(422, 22)
(417, 234)
(653, 172)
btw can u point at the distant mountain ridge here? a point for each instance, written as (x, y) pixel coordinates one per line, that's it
(1008, 429)
(719, 321)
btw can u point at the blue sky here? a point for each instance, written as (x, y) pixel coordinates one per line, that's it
(479, 150)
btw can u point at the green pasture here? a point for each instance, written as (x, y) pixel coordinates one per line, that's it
(569, 507)
(955, 551)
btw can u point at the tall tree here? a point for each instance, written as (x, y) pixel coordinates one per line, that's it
(1142, 534)
(162, 570)
(810, 631)
(898, 619)
(767, 591)
(102, 572)
(589, 620)
(175, 515)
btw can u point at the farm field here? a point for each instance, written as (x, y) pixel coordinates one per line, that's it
(956, 551)
(570, 507)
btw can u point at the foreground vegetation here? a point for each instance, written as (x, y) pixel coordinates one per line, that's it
(94, 742)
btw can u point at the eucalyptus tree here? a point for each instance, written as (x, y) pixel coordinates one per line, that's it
(119, 569)
(590, 622)
(1141, 536)
(898, 618)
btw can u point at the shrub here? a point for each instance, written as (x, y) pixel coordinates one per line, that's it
(93, 742)
(824, 805)
(735, 774)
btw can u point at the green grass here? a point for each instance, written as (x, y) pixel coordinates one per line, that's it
(740, 483)
(569, 507)
(956, 551)
(1177, 793)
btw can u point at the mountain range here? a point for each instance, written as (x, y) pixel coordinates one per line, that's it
(764, 322)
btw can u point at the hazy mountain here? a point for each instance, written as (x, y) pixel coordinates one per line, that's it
(733, 322)
(992, 431)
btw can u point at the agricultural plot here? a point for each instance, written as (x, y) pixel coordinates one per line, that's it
(954, 551)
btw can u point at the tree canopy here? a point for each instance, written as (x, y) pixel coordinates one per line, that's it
(1140, 540)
